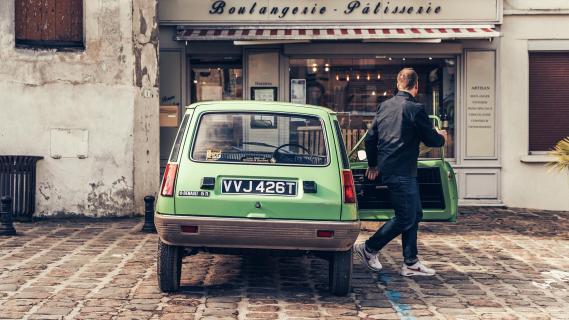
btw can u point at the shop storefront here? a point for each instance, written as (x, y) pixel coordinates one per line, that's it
(344, 55)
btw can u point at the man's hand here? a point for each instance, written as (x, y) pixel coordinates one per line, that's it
(372, 173)
(443, 133)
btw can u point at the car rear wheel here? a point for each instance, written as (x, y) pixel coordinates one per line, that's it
(169, 267)
(340, 272)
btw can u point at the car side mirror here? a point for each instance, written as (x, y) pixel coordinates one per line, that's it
(362, 155)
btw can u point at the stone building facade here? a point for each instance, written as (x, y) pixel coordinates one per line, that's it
(90, 112)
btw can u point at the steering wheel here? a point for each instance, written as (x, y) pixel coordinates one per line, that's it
(290, 144)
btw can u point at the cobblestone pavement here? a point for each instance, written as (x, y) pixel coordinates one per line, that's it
(492, 264)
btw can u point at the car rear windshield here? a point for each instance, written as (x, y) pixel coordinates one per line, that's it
(261, 138)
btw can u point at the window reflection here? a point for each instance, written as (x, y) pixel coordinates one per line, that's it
(216, 80)
(355, 87)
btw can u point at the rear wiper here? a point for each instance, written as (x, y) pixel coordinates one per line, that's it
(262, 144)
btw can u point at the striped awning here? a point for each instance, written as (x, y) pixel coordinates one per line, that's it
(356, 33)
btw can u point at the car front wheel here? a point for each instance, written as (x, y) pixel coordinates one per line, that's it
(340, 272)
(169, 267)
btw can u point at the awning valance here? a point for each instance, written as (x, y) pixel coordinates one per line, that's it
(337, 33)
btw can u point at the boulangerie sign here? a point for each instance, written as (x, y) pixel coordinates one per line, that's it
(227, 12)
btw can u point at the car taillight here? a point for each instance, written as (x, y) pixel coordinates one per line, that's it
(168, 180)
(349, 187)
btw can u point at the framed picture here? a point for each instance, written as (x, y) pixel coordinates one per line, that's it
(298, 91)
(264, 93)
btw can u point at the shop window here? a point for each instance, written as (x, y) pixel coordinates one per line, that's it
(49, 23)
(548, 99)
(216, 80)
(354, 87)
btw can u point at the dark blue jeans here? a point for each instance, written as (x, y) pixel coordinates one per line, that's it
(406, 201)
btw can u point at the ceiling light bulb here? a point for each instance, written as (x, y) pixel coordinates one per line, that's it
(384, 93)
(348, 78)
(430, 58)
(314, 69)
(368, 77)
(378, 76)
(404, 59)
(373, 93)
(358, 77)
(337, 77)
(326, 69)
(389, 58)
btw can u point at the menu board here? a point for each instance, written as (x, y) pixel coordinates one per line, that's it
(263, 69)
(481, 104)
(298, 91)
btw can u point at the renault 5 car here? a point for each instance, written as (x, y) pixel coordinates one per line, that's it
(246, 176)
(262, 176)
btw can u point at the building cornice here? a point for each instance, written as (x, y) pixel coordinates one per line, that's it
(532, 12)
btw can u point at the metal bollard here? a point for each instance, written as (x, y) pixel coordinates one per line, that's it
(149, 215)
(6, 223)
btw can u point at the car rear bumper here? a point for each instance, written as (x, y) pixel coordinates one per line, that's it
(258, 234)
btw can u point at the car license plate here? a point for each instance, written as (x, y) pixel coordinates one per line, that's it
(265, 187)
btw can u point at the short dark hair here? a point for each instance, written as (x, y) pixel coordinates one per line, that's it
(407, 79)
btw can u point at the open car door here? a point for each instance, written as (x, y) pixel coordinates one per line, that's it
(437, 187)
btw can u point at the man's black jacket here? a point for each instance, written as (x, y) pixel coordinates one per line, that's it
(392, 142)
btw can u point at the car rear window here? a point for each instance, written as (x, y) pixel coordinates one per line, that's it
(261, 138)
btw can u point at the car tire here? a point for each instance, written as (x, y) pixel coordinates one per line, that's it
(169, 267)
(340, 272)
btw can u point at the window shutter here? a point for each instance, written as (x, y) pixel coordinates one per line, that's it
(548, 99)
(49, 22)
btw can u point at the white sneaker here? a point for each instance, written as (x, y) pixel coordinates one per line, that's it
(418, 269)
(371, 260)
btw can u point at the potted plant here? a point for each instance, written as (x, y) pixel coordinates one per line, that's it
(561, 154)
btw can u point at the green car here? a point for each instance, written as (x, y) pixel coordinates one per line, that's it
(248, 176)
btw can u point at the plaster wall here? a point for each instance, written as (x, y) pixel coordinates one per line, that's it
(526, 182)
(102, 90)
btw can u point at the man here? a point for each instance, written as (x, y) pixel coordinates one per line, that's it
(392, 147)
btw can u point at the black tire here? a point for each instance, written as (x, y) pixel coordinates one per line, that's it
(340, 272)
(169, 267)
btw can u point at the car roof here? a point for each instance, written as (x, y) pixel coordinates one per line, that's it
(266, 105)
